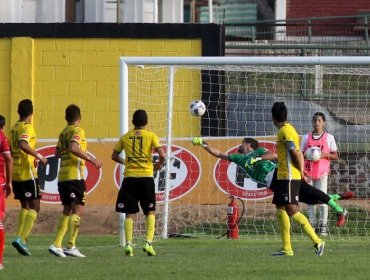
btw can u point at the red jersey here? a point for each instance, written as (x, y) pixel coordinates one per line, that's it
(4, 148)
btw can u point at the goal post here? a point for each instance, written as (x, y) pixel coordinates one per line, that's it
(238, 92)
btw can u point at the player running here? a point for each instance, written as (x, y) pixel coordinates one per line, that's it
(258, 163)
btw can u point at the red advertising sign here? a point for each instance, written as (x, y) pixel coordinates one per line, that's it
(232, 180)
(184, 174)
(48, 175)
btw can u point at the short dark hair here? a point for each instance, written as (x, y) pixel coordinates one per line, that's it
(279, 112)
(253, 142)
(319, 114)
(73, 113)
(140, 118)
(25, 108)
(2, 121)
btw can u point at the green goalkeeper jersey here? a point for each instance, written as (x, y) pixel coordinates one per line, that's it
(257, 171)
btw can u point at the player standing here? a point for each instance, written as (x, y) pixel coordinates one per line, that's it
(316, 173)
(6, 164)
(138, 183)
(72, 150)
(287, 184)
(25, 183)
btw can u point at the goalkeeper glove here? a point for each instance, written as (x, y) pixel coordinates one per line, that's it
(198, 141)
(253, 160)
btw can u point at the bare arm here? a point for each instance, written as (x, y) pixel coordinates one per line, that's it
(330, 155)
(117, 158)
(162, 155)
(297, 159)
(75, 149)
(216, 153)
(8, 171)
(269, 156)
(23, 145)
(198, 141)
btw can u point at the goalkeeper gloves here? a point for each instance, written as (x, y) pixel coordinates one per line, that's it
(253, 160)
(198, 141)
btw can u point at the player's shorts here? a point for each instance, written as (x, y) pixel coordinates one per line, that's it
(26, 190)
(72, 191)
(285, 192)
(133, 191)
(310, 195)
(2, 202)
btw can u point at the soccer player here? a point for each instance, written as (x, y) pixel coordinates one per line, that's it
(287, 184)
(316, 173)
(138, 183)
(72, 150)
(26, 188)
(6, 164)
(258, 164)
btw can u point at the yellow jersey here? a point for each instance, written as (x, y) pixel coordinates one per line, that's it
(138, 145)
(71, 166)
(286, 169)
(23, 164)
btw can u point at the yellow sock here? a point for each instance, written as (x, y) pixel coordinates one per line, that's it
(306, 226)
(21, 216)
(284, 223)
(150, 227)
(73, 228)
(129, 229)
(29, 221)
(62, 227)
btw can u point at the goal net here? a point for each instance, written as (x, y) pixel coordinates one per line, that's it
(194, 187)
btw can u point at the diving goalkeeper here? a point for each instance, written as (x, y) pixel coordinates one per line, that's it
(258, 163)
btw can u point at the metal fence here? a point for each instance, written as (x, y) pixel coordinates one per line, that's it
(322, 36)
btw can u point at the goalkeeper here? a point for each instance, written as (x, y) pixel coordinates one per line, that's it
(259, 164)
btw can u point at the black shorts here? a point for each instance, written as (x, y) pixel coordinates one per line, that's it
(286, 192)
(310, 195)
(72, 191)
(134, 190)
(26, 190)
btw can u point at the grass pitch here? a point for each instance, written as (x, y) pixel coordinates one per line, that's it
(188, 258)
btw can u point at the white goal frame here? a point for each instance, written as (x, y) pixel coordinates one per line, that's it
(172, 61)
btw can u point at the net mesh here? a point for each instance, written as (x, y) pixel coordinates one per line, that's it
(239, 100)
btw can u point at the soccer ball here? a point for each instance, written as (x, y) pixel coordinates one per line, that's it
(197, 108)
(313, 153)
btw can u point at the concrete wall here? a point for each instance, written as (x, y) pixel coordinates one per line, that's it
(5, 47)
(55, 71)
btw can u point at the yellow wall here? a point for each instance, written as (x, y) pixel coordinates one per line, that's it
(5, 47)
(57, 72)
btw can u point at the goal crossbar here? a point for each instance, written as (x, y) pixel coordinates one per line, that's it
(304, 60)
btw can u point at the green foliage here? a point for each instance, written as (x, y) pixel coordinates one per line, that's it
(191, 258)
